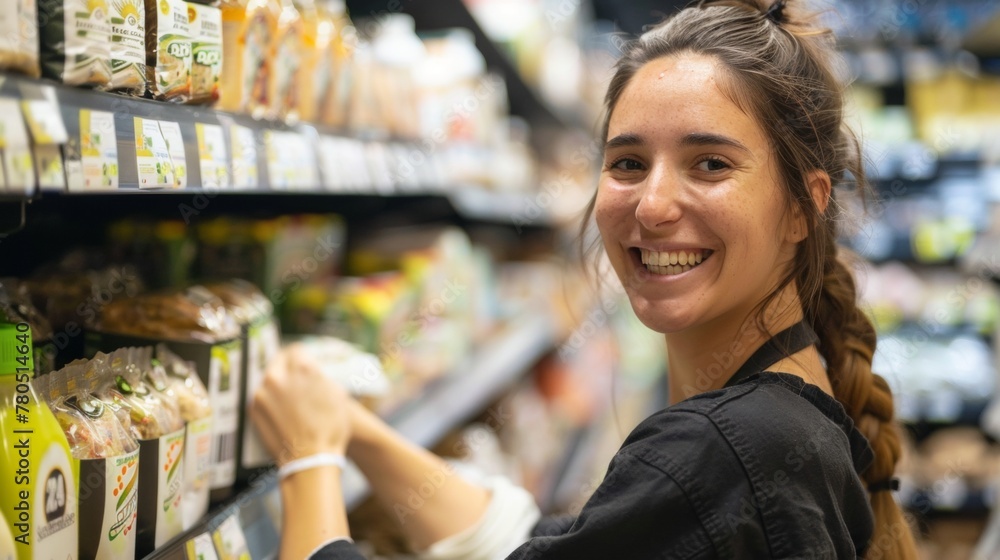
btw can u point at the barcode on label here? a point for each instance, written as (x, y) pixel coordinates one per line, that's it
(224, 448)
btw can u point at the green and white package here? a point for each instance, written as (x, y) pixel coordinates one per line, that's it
(75, 41)
(128, 46)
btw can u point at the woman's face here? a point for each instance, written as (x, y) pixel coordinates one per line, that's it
(689, 203)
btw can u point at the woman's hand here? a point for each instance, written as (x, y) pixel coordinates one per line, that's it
(298, 411)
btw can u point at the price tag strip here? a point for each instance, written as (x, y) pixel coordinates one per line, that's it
(156, 171)
(244, 148)
(97, 169)
(175, 146)
(212, 156)
(230, 543)
(201, 548)
(16, 173)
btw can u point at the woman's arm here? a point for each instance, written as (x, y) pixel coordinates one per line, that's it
(420, 490)
(312, 511)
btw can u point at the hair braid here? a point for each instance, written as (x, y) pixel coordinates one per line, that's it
(848, 344)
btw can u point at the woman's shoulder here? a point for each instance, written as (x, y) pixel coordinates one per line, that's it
(773, 422)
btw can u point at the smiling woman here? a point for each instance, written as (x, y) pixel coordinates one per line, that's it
(724, 141)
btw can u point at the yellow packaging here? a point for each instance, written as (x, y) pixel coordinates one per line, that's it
(168, 50)
(286, 63)
(247, 30)
(335, 25)
(38, 496)
(206, 52)
(314, 74)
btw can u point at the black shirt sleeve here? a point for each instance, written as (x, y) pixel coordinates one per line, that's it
(338, 550)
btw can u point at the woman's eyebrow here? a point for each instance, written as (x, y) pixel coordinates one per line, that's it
(709, 139)
(622, 141)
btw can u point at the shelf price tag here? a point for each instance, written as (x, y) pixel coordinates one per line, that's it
(47, 132)
(175, 147)
(97, 168)
(230, 543)
(244, 148)
(291, 161)
(152, 158)
(16, 174)
(200, 548)
(212, 156)
(330, 164)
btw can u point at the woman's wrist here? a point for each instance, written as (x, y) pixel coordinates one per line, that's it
(366, 429)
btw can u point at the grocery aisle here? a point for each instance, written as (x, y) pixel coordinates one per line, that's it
(188, 186)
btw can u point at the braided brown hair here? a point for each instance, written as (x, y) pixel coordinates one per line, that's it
(779, 67)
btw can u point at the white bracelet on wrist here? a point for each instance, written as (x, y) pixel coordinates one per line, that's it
(311, 462)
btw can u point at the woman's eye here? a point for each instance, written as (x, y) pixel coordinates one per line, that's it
(712, 165)
(626, 164)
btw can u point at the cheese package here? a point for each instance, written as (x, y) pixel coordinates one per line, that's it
(75, 41)
(206, 52)
(128, 46)
(168, 50)
(19, 24)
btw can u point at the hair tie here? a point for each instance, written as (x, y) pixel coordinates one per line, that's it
(776, 12)
(889, 484)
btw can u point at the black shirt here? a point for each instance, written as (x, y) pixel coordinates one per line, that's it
(766, 468)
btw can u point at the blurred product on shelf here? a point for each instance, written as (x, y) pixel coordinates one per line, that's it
(128, 46)
(248, 27)
(33, 463)
(155, 422)
(168, 50)
(335, 41)
(359, 372)
(313, 74)
(180, 381)
(287, 53)
(19, 24)
(195, 325)
(75, 42)
(259, 335)
(16, 307)
(106, 456)
(206, 52)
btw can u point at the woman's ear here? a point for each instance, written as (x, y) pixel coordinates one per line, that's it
(820, 187)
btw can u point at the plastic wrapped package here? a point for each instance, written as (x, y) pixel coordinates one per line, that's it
(190, 314)
(75, 41)
(248, 28)
(150, 415)
(314, 73)
(286, 62)
(19, 23)
(206, 52)
(128, 46)
(336, 31)
(181, 379)
(104, 451)
(168, 50)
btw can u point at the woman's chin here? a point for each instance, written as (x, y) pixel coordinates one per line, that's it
(661, 320)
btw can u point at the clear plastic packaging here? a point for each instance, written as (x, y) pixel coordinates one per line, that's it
(286, 50)
(181, 380)
(248, 28)
(168, 50)
(190, 314)
(206, 52)
(150, 414)
(75, 41)
(19, 24)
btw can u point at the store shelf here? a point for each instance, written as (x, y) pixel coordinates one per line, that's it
(950, 499)
(441, 407)
(524, 100)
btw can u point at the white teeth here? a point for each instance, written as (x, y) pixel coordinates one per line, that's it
(671, 263)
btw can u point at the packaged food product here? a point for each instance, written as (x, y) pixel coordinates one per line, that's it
(314, 71)
(196, 326)
(357, 371)
(19, 24)
(168, 50)
(16, 306)
(260, 344)
(156, 423)
(206, 52)
(181, 379)
(106, 456)
(75, 41)
(286, 50)
(39, 499)
(128, 46)
(190, 314)
(248, 29)
(336, 27)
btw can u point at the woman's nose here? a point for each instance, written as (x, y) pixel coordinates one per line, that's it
(659, 199)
